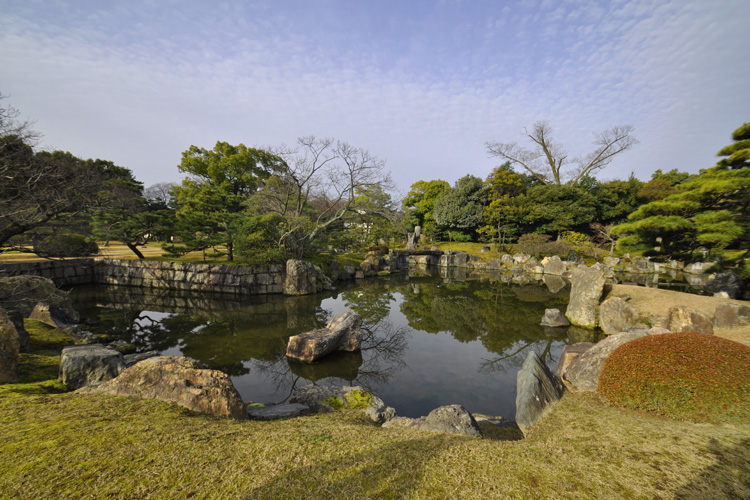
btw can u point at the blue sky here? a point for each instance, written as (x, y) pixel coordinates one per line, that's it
(420, 84)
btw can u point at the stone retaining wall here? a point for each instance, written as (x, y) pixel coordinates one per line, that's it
(237, 280)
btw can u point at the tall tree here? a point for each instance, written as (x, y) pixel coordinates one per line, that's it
(419, 204)
(547, 160)
(711, 209)
(460, 208)
(213, 197)
(501, 212)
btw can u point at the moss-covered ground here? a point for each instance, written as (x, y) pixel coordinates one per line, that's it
(65, 445)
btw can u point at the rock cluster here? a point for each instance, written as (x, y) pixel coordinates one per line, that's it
(451, 419)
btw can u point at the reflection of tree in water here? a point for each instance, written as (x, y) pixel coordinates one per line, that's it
(371, 301)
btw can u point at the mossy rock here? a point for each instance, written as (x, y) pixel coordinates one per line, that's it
(685, 376)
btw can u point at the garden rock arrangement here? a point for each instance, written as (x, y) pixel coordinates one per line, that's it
(82, 366)
(303, 278)
(180, 380)
(587, 286)
(536, 387)
(451, 419)
(342, 333)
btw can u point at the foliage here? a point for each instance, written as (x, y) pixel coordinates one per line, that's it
(257, 239)
(578, 242)
(460, 208)
(711, 209)
(67, 245)
(662, 185)
(554, 209)
(547, 160)
(419, 205)
(533, 244)
(687, 376)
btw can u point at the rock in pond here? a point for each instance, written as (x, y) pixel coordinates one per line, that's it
(554, 317)
(342, 333)
(728, 282)
(86, 365)
(9, 349)
(451, 419)
(587, 285)
(553, 265)
(303, 278)
(180, 380)
(52, 315)
(536, 387)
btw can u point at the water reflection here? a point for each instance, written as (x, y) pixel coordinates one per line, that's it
(430, 338)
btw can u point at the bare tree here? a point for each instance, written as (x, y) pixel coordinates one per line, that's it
(318, 188)
(547, 161)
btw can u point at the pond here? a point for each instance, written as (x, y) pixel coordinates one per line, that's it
(428, 341)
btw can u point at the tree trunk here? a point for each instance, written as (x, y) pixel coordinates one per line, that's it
(135, 250)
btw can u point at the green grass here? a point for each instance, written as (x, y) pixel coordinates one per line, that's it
(688, 376)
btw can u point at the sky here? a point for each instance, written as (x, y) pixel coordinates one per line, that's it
(421, 84)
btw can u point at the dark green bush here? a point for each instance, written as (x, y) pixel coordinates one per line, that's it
(685, 376)
(382, 249)
(67, 245)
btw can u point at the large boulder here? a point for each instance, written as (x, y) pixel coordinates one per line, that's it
(686, 319)
(318, 397)
(9, 349)
(342, 333)
(451, 419)
(85, 365)
(728, 282)
(52, 315)
(303, 278)
(583, 372)
(536, 387)
(571, 352)
(616, 315)
(180, 380)
(587, 286)
(553, 265)
(698, 267)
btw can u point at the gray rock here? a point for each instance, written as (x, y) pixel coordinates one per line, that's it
(379, 412)
(571, 352)
(273, 412)
(131, 359)
(536, 387)
(583, 372)
(554, 317)
(686, 319)
(303, 278)
(730, 314)
(506, 259)
(180, 380)
(85, 365)
(611, 261)
(52, 315)
(728, 282)
(341, 334)
(698, 267)
(616, 315)
(554, 283)
(587, 285)
(521, 258)
(347, 273)
(9, 349)
(451, 419)
(313, 396)
(553, 265)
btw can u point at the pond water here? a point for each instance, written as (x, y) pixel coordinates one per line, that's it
(428, 341)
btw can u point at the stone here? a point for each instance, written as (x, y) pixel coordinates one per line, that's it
(131, 359)
(314, 396)
(348, 273)
(52, 315)
(611, 261)
(506, 258)
(554, 317)
(730, 314)
(10, 346)
(485, 249)
(553, 265)
(686, 319)
(379, 412)
(180, 380)
(521, 258)
(342, 333)
(616, 315)
(728, 282)
(698, 267)
(571, 352)
(587, 286)
(583, 372)
(85, 365)
(572, 256)
(536, 387)
(274, 412)
(303, 278)
(554, 283)
(451, 419)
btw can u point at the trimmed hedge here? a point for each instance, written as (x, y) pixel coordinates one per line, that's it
(685, 376)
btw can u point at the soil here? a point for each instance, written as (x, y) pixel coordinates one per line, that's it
(650, 302)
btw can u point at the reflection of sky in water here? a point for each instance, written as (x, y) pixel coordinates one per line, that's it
(409, 368)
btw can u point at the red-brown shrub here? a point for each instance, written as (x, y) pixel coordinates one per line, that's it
(686, 376)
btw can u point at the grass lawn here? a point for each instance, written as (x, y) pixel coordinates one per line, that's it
(65, 445)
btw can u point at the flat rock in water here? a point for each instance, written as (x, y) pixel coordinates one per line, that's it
(554, 318)
(583, 372)
(274, 412)
(536, 387)
(341, 334)
(587, 285)
(314, 396)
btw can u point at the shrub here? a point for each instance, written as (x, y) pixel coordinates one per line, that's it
(382, 249)
(685, 376)
(67, 245)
